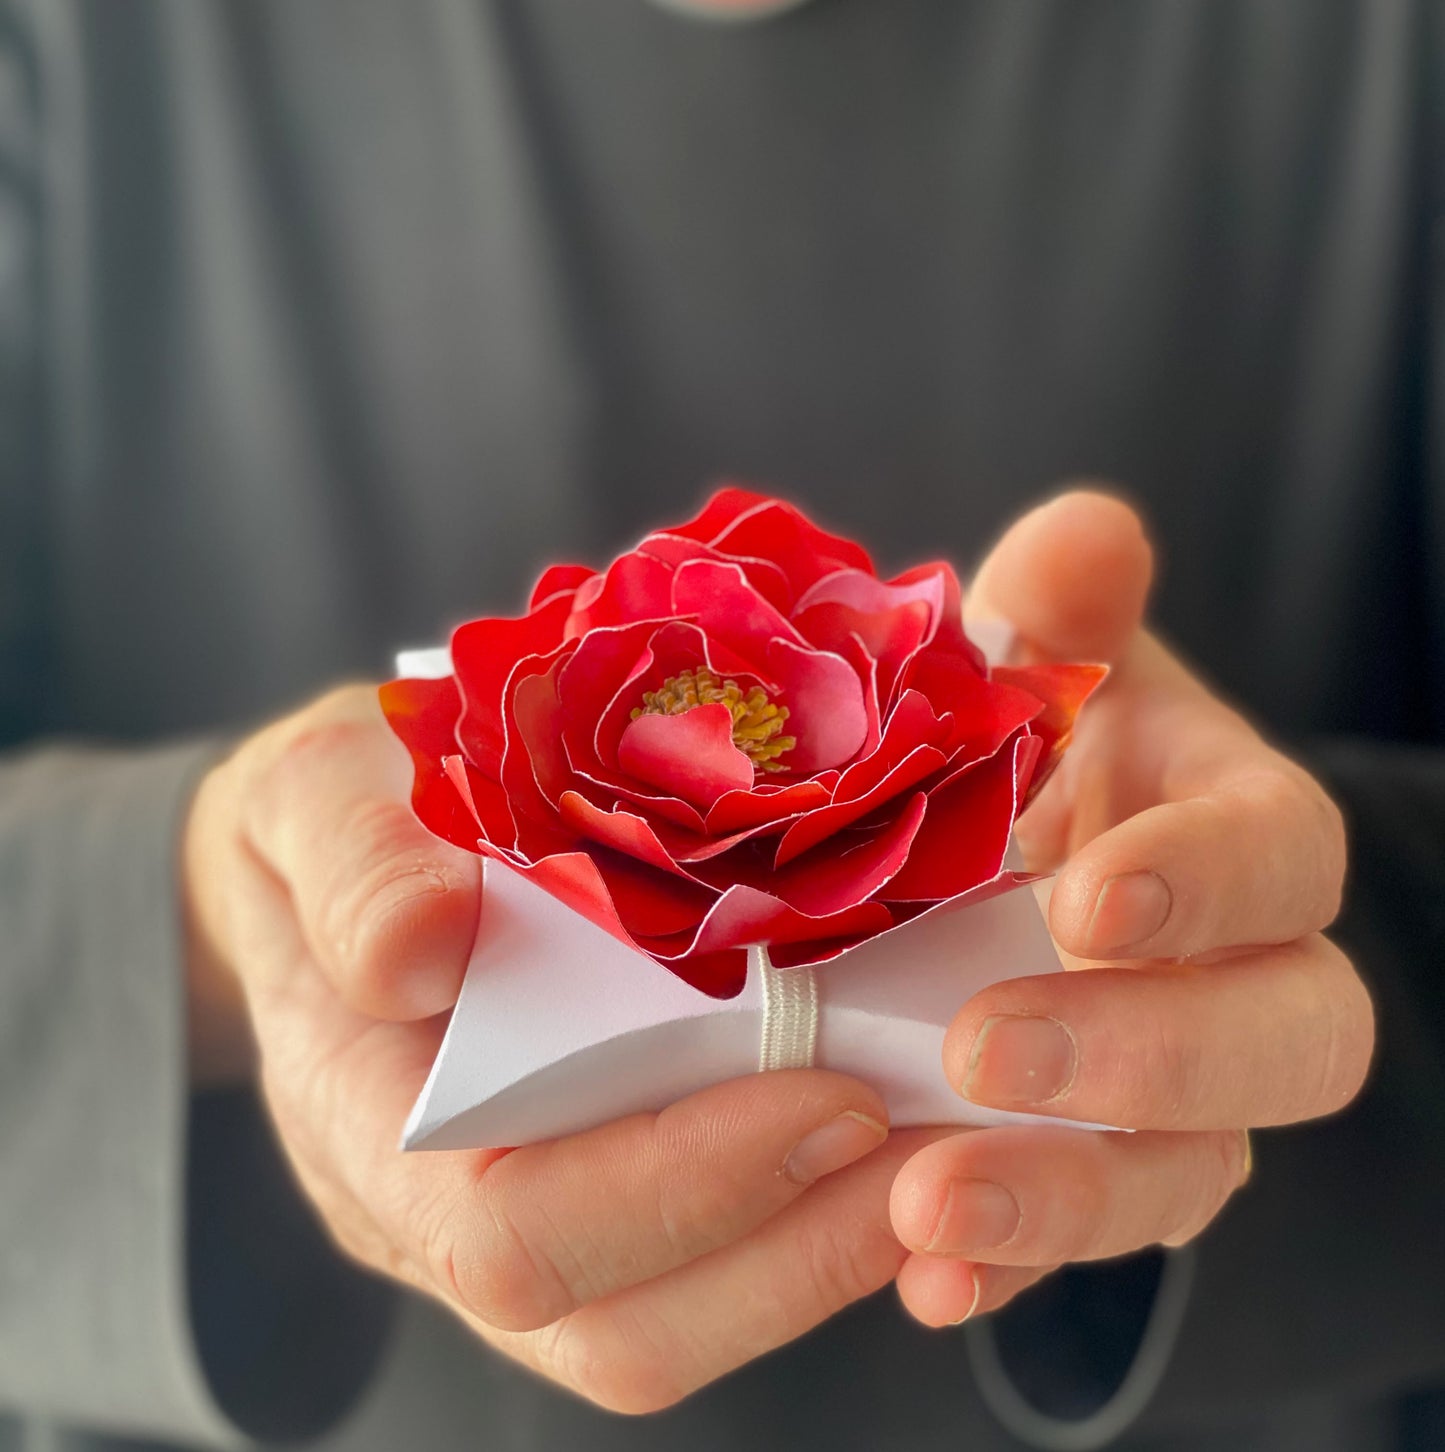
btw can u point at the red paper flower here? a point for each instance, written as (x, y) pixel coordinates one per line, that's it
(738, 734)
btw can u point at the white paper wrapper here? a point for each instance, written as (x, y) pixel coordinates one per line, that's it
(561, 1027)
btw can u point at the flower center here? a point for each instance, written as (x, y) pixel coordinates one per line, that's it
(756, 721)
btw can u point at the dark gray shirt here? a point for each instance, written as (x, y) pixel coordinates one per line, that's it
(323, 325)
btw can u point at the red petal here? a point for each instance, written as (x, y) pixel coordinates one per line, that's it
(840, 875)
(777, 531)
(890, 636)
(948, 631)
(728, 608)
(603, 664)
(657, 843)
(824, 697)
(1063, 689)
(720, 510)
(635, 587)
(908, 753)
(744, 916)
(966, 830)
(424, 715)
(483, 654)
(557, 578)
(768, 804)
(487, 803)
(534, 749)
(690, 756)
(986, 712)
(764, 576)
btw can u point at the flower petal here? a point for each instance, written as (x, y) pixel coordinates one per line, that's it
(777, 531)
(966, 830)
(424, 714)
(719, 596)
(824, 697)
(691, 756)
(557, 578)
(909, 752)
(635, 587)
(764, 576)
(827, 881)
(483, 655)
(986, 711)
(768, 803)
(1063, 689)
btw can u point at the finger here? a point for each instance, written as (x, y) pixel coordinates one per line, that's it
(1072, 576)
(1025, 1196)
(388, 910)
(1264, 1038)
(940, 1291)
(1258, 859)
(648, 1347)
(519, 1239)
(555, 1226)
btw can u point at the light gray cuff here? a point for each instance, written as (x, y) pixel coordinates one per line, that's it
(94, 1324)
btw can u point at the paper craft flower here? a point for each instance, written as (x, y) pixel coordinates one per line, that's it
(737, 734)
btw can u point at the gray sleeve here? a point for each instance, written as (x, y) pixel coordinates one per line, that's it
(160, 1273)
(94, 1325)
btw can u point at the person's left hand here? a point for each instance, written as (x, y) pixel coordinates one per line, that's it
(1197, 868)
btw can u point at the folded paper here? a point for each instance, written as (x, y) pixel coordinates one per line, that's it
(560, 1027)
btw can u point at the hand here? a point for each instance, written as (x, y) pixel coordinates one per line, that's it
(1198, 868)
(631, 1264)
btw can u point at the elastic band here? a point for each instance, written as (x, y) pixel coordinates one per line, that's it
(790, 1013)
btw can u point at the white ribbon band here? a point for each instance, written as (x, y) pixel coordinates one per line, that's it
(790, 1013)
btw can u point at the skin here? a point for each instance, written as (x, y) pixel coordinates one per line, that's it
(635, 1263)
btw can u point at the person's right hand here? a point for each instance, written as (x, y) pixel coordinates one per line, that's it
(633, 1263)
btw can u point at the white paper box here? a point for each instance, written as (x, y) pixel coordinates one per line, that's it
(561, 1027)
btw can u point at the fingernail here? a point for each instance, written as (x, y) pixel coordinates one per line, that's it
(1020, 1061)
(1248, 1158)
(977, 1215)
(1130, 909)
(833, 1145)
(976, 1278)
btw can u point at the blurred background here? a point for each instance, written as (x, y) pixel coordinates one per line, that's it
(326, 324)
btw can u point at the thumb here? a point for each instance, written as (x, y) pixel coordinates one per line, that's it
(1071, 576)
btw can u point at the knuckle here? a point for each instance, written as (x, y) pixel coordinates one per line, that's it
(845, 1264)
(478, 1261)
(633, 1379)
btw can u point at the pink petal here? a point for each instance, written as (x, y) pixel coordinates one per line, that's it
(690, 756)
(824, 697)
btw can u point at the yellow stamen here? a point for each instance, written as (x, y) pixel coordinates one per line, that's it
(756, 721)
